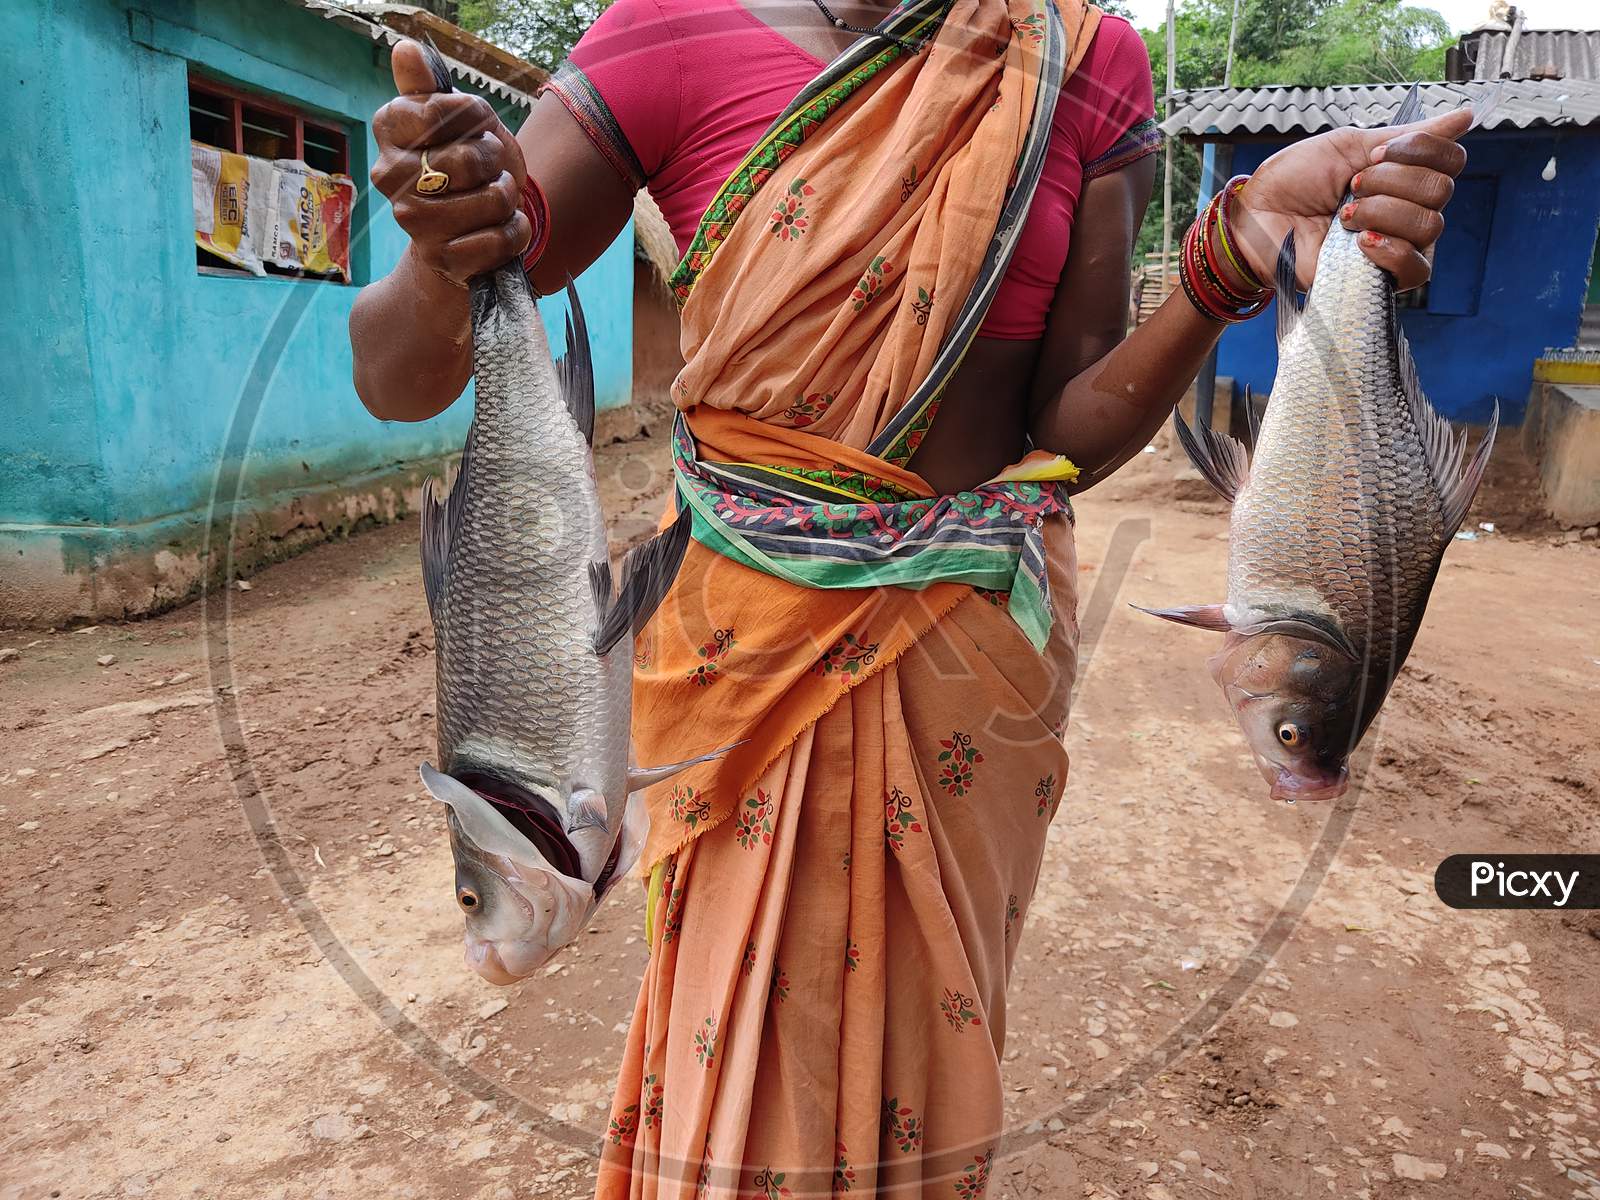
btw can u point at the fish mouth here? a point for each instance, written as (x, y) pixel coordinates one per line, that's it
(1291, 786)
(500, 963)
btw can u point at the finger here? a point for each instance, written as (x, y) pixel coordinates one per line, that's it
(467, 165)
(1420, 185)
(410, 69)
(1450, 126)
(1398, 257)
(445, 217)
(417, 122)
(1394, 218)
(485, 249)
(1423, 149)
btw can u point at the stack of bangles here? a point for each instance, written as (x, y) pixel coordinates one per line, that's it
(1200, 270)
(537, 210)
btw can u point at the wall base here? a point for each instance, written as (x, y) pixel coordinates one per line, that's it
(1562, 435)
(53, 575)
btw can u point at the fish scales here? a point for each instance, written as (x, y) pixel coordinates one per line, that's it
(531, 699)
(1341, 510)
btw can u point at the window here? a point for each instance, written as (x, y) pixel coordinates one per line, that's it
(279, 137)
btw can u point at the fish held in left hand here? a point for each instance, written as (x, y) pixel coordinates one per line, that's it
(1339, 521)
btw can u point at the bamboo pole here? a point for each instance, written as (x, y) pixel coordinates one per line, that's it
(1233, 29)
(1166, 186)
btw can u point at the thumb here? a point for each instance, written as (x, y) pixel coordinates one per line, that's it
(411, 71)
(1451, 125)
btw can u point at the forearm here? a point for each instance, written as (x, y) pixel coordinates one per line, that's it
(411, 338)
(1109, 411)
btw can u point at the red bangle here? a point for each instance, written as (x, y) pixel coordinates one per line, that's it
(537, 209)
(1204, 281)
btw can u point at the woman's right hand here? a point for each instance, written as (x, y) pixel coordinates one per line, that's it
(476, 224)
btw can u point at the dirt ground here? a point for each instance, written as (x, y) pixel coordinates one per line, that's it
(232, 964)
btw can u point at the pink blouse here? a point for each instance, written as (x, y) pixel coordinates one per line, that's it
(675, 92)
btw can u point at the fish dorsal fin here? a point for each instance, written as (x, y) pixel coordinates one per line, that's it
(647, 573)
(1221, 459)
(1442, 446)
(1410, 107)
(1252, 416)
(575, 368)
(441, 517)
(1288, 289)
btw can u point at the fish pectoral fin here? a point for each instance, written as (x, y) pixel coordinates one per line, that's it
(647, 573)
(1201, 616)
(575, 368)
(1454, 476)
(442, 505)
(1223, 460)
(630, 841)
(1287, 284)
(642, 777)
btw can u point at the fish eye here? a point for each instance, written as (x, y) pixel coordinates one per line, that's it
(468, 899)
(1290, 734)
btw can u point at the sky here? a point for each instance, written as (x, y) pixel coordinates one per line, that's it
(1462, 14)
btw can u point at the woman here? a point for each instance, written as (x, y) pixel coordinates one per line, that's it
(904, 289)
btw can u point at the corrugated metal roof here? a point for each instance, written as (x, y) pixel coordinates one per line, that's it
(358, 18)
(1557, 53)
(1523, 104)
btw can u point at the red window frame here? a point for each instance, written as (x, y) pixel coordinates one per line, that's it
(234, 101)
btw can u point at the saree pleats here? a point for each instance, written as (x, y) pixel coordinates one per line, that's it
(823, 1012)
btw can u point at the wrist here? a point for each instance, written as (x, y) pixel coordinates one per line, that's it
(1213, 270)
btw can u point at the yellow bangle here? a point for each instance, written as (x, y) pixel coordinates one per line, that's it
(1245, 273)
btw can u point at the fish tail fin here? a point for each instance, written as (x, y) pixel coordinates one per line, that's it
(575, 367)
(1410, 108)
(647, 573)
(1486, 106)
(437, 65)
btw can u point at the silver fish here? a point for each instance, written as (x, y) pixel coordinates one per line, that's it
(534, 646)
(1339, 521)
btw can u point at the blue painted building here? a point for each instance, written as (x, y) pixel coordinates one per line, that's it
(1512, 273)
(143, 372)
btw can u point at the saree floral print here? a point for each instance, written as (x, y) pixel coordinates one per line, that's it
(834, 905)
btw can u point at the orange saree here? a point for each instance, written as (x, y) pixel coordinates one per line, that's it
(834, 905)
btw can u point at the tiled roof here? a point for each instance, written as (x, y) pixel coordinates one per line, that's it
(1212, 112)
(468, 56)
(1559, 53)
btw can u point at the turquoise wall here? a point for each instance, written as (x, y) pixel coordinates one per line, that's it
(126, 366)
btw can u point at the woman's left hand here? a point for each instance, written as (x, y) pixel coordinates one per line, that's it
(1401, 176)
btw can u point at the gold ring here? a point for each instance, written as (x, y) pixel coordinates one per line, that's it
(431, 182)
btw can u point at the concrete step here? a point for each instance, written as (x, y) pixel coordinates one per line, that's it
(1562, 435)
(1589, 330)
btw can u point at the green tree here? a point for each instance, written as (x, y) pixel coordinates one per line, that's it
(1304, 43)
(541, 31)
